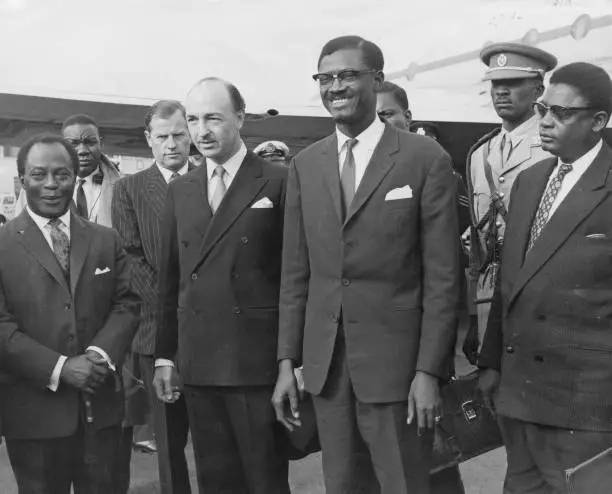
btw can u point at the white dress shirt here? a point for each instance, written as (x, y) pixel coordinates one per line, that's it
(42, 223)
(232, 165)
(167, 174)
(92, 192)
(571, 178)
(363, 150)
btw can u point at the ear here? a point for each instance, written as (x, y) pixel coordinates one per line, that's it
(408, 115)
(539, 91)
(147, 135)
(240, 116)
(21, 180)
(379, 78)
(600, 120)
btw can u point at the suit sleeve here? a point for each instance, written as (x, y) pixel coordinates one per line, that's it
(115, 336)
(125, 222)
(20, 354)
(166, 337)
(440, 259)
(295, 274)
(490, 355)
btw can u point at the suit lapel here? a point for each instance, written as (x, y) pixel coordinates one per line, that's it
(79, 247)
(155, 190)
(380, 164)
(34, 242)
(577, 205)
(331, 172)
(245, 186)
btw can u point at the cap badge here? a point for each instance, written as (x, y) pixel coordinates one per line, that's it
(502, 60)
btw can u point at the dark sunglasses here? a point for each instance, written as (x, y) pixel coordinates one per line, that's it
(348, 75)
(559, 113)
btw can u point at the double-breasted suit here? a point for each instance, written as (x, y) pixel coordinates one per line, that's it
(218, 314)
(369, 300)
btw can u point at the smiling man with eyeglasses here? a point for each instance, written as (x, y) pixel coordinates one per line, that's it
(548, 344)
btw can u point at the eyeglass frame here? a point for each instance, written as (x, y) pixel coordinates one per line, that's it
(338, 76)
(555, 109)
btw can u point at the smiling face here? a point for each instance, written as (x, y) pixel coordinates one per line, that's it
(48, 179)
(214, 123)
(85, 139)
(169, 141)
(513, 98)
(352, 105)
(575, 135)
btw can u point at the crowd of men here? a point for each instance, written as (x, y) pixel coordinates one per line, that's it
(243, 292)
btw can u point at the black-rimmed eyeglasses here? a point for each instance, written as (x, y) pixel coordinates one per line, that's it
(559, 113)
(348, 75)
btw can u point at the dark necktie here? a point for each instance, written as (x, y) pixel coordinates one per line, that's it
(81, 201)
(347, 176)
(541, 217)
(61, 244)
(173, 176)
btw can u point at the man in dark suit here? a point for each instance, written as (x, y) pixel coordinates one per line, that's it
(549, 328)
(138, 203)
(67, 317)
(218, 286)
(370, 284)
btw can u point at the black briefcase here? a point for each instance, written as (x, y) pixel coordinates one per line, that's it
(466, 429)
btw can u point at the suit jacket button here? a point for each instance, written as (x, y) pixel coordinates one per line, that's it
(541, 317)
(509, 349)
(237, 310)
(244, 240)
(70, 337)
(67, 306)
(335, 318)
(539, 359)
(502, 180)
(346, 282)
(194, 276)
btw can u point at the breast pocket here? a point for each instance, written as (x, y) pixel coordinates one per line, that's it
(397, 216)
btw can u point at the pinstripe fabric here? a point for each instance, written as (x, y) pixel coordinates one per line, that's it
(138, 203)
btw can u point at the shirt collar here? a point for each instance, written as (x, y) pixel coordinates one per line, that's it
(42, 222)
(89, 178)
(582, 163)
(167, 174)
(369, 137)
(516, 135)
(231, 165)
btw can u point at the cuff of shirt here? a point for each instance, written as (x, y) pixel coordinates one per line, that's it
(104, 355)
(55, 375)
(163, 362)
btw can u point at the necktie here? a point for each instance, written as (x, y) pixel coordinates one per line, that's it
(173, 176)
(219, 190)
(347, 176)
(541, 217)
(81, 201)
(505, 148)
(61, 244)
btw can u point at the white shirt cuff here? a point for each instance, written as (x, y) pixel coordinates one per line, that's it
(104, 355)
(55, 375)
(163, 362)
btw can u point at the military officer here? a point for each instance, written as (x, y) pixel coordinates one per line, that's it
(516, 73)
(275, 151)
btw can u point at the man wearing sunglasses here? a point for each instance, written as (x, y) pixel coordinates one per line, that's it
(516, 73)
(370, 284)
(549, 328)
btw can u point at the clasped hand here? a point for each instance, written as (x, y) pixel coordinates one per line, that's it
(86, 372)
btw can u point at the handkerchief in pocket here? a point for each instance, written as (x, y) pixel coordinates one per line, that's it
(404, 192)
(99, 271)
(263, 203)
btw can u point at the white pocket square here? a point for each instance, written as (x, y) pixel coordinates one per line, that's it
(99, 271)
(263, 203)
(404, 192)
(596, 235)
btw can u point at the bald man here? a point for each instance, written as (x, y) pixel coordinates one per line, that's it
(219, 285)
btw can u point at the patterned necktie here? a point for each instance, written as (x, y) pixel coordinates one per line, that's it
(219, 190)
(347, 177)
(81, 201)
(541, 217)
(61, 244)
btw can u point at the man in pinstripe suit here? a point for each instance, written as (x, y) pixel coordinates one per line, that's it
(138, 204)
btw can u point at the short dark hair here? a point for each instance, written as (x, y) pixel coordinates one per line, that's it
(79, 119)
(22, 155)
(399, 93)
(592, 82)
(164, 108)
(2, 219)
(372, 54)
(235, 96)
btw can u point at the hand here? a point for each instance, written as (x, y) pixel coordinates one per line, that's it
(81, 373)
(424, 401)
(466, 241)
(286, 391)
(488, 385)
(165, 382)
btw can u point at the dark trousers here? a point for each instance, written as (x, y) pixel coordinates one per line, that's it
(538, 455)
(88, 460)
(447, 481)
(171, 427)
(368, 448)
(236, 440)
